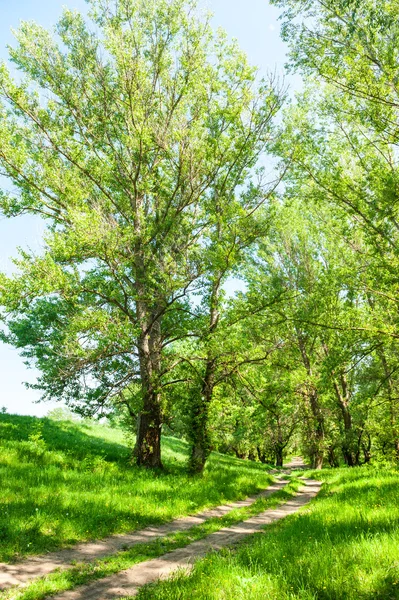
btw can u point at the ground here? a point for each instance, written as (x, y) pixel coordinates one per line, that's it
(344, 546)
(65, 482)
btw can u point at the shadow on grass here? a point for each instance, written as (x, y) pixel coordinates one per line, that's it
(336, 549)
(79, 486)
(306, 543)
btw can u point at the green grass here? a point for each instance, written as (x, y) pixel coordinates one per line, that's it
(345, 545)
(85, 573)
(64, 482)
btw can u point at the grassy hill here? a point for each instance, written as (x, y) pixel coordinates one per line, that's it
(62, 482)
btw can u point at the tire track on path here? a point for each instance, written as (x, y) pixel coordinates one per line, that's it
(22, 573)
(129, 582)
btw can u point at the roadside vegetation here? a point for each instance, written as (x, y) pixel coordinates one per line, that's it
(345, 545)
(165, 168)
(62, 482)
(84, 573)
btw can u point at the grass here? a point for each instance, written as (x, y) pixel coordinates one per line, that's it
(65, 482)
(85, 573)
(345, 545)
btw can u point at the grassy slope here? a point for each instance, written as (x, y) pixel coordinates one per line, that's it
(62, 482)
(84, 573)
(344, 546)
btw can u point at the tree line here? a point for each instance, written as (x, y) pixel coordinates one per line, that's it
(165, 169)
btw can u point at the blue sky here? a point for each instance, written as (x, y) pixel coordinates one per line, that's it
(253, 22)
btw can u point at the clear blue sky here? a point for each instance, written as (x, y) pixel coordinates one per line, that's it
(253, 22)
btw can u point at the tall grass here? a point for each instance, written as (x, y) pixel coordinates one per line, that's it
(64, 482)
(345, 545)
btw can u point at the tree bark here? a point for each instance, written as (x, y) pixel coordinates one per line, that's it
(278, 451)
(148, 449)
(149, 426)
(318, 451)
(149, 423)
(332, 459)
(343, 402)
(200, 449)
(393, 409)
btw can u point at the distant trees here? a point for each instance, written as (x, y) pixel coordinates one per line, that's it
(340, 140)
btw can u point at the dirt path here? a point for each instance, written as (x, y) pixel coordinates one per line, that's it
(20, 574)
(128, 583)
(297, 462)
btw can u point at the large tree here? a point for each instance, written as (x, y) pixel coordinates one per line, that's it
(127, 133)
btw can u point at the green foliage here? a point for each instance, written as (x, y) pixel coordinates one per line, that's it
(140, 146)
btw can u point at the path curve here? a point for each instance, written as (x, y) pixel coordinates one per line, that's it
(129, 582)
(22, 573)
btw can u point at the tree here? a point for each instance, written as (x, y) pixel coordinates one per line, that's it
(221, 348)
(342, 141)
(124, 138)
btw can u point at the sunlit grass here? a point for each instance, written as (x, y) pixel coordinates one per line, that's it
(85, 573)
(64, 482)
(345, 545)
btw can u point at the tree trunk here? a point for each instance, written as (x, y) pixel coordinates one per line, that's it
(397, 449)
(367, 449)
(332, 459)
(148, 446)
(318, 451)
(317, 461)
(317, 454)
(239, 454)
(261, 455)
(279, 456)
(343, 402)
(392, 403)
(199, 432)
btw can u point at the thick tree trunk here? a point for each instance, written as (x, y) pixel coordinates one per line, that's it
(278, 451)
(318, 461)
(148, 310)
(148, 446)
